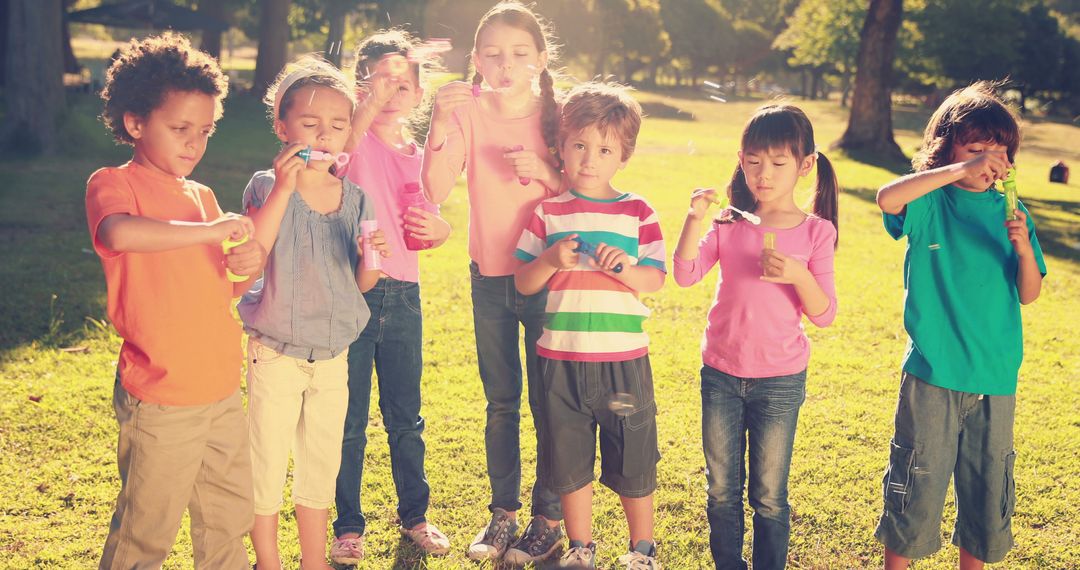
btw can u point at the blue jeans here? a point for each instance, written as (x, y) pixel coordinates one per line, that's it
(498, 311)
(392, 341)
(766, 410)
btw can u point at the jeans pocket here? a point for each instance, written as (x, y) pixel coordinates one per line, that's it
(411, 304)
(474, 271)
(899, 478)
(1008, 495)
(640, 449)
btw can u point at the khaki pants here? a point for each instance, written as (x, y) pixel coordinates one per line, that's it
(300, 405)
(173, 458)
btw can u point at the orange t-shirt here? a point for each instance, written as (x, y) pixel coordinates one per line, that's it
(172, 308)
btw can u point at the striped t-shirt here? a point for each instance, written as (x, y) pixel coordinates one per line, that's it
(591, 316)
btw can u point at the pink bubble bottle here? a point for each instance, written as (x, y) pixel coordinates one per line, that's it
(413, 196)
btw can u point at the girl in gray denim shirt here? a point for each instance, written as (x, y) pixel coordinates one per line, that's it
(307, 308)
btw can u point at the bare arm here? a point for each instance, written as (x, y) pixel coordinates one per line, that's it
(896, 195)
(373, 96)
(440, 169)
(267, 217)
(1028, 276)
(139, 234)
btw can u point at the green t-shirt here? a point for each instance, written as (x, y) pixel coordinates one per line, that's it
(962, 308)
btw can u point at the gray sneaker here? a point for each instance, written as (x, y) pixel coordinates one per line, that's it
(642, 557)
(579, 555)
(536, 544)
(491, 543)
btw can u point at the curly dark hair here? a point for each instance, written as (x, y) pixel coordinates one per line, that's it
(972, 114)
(146, 70)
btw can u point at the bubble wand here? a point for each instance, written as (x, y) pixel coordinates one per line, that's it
(1011, 195)
(752, 218)
(226, 246)
(590, 250)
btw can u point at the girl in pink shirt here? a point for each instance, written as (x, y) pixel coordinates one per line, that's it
(385, 162)
(503, 136)
(754, 349)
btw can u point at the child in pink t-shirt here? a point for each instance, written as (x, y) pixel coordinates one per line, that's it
(502, 137)
(385, 162)
(755, 351)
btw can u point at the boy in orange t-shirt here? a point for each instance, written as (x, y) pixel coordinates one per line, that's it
(183, 434)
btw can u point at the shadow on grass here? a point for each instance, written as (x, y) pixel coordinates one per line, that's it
(898, 167)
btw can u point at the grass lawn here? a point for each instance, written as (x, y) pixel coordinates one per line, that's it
(57, 359)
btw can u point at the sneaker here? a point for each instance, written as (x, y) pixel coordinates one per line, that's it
(537, 543)
(642, 557)
(429, 539)
(347, 550)
(579, 555)
(491, 543)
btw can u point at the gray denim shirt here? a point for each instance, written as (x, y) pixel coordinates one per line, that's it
(307, 304)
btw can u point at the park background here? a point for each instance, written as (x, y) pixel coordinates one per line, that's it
(701, 67)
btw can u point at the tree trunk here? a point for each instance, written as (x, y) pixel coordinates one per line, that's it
(335, 36)
(845, 88)
(273, 43)
(815, 84)
(211, 39)
(805, 77)
(870, 123)
(34, 75)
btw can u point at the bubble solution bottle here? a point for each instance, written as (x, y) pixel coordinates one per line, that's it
(412, 196)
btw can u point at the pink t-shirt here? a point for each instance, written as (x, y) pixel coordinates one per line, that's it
(382, 172)
(755, 327)
(499, 206)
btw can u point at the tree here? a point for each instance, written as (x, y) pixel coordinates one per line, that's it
(273, 42)
(700, 33)
(870, 123)
(211, 39)
(33, 80)
(824, 34)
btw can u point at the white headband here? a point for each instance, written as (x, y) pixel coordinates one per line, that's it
(294, 76)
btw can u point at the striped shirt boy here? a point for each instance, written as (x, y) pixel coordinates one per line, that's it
(591, 316)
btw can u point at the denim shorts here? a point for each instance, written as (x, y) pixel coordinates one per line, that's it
(617, 397)
(943, 433)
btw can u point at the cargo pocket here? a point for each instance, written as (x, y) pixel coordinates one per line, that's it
(899, 477)
(640, 451)
(1008, 495)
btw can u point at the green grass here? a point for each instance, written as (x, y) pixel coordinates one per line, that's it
(57, 431)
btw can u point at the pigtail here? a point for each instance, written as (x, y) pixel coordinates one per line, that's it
(741, 198)
(549, 114)
(826, 193)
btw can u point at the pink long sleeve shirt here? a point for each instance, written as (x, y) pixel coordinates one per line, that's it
(499, 205)
(755, 327)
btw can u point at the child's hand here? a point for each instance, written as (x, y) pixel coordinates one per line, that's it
(425, 225)
(989, 165)
(231, 226)
(1018, 234)
(779, 268)
(449, 97)
(246, 258)
(287, 167)
(608, 256)
(526, 163)
(379, 87)
(700, 201)
(561, 254)
(378, 243)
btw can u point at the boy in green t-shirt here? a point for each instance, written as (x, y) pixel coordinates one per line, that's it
(967, 270)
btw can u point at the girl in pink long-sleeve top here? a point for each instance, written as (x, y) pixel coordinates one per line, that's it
(754, 350)
(503, 136)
